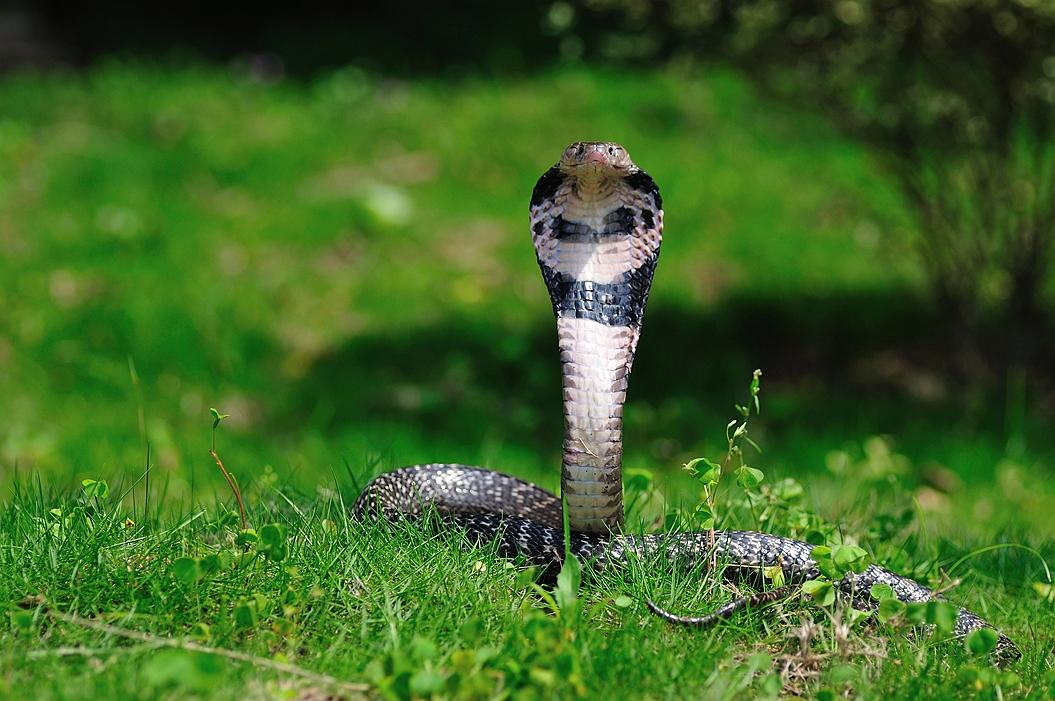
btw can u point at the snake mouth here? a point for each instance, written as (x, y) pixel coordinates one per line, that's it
(595, 170)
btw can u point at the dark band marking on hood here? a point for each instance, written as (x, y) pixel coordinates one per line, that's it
(643, 182)
(619, 222)
(547, 186)
(647, 218)
(619, 303)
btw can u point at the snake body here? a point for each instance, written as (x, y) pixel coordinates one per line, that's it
(596, 222)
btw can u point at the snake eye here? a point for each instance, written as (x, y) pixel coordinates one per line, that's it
(579, 149)
(611, 150)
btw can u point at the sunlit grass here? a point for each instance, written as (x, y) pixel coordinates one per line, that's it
(343, 266)
(227, 238)
(400, 613)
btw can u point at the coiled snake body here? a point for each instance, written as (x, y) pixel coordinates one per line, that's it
(596, 222)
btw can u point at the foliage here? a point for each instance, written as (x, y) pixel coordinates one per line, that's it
(434, 621)
(331, 262)
(959, 99)
(748, 478)
(956, 98)
(328, 261)
(398, 325)
(539, 659)
(837, 557)
(413, 616)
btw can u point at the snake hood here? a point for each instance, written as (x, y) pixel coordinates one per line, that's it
(596, 225)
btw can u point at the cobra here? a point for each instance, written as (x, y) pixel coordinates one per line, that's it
(596, 225)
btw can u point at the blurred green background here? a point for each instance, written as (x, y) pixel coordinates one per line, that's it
(329, 241)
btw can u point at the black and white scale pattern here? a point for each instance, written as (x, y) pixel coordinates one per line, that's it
(596, 224)
(524, 521)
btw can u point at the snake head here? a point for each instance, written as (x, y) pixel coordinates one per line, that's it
(595, 158)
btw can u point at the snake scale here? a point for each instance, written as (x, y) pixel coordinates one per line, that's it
(596, 224)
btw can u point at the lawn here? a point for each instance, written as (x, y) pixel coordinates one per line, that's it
(343, 265)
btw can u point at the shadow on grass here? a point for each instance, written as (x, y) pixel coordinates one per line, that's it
(837, 369)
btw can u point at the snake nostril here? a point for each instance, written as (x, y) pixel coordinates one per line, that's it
(611, 151)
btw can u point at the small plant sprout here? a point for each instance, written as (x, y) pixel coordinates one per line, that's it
(95, 490)
(217, 417)
(835, 561)
(710, 474)
(755, 388)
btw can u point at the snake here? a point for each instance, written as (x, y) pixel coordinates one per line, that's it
(596, 227)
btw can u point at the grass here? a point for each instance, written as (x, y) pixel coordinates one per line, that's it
(276, 250)
(343, 266)
(407, 614)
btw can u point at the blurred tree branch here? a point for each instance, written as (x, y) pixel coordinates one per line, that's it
(957, 97)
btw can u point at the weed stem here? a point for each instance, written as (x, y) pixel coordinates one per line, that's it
(232, 484)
